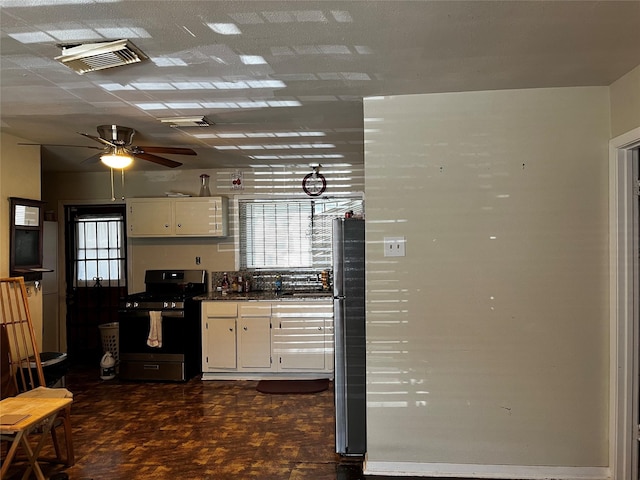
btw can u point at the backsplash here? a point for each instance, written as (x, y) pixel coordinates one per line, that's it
(265, 280)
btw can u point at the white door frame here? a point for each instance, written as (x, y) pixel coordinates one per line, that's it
(623, 294)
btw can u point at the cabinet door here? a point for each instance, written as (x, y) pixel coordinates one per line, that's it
(148, 218)
(197, 217)
(255, 343)
(220, 340)
(219, 352)
(299, 344)
(303, 336)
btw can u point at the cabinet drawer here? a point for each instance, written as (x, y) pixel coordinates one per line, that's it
(303, 310)
(220, 309)
(255, 309)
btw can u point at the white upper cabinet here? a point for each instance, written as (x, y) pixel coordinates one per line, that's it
(177, 217)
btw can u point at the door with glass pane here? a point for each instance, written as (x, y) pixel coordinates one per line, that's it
(95, 275)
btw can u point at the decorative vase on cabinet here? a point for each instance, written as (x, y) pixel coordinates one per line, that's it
(204, 185)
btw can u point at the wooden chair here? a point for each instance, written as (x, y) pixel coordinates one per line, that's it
(20, 363)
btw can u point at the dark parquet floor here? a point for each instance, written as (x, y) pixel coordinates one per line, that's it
(198, 430)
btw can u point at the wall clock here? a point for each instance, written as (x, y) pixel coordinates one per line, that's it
(314, 183)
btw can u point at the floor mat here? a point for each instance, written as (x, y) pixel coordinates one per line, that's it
(293, 386)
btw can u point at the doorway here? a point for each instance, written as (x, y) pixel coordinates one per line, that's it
(96, 275)
(635, 420)
(624, 152)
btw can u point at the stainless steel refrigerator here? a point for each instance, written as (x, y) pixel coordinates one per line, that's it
(349, 319)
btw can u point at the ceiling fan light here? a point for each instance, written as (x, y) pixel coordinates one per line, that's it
(114, 160)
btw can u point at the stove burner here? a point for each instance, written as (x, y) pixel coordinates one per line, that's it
(167, 290)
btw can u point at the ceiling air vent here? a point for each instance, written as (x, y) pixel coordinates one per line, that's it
(90, 57)
(187, 121)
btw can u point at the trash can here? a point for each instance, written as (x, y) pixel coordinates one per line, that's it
(110, 333)
(54, 367)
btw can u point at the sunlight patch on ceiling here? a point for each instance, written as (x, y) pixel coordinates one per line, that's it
(32, 37)
(152, 86)
(311, 50)
(115, 87)
(219, 105)
(298, 16)
(260, 134)
(252, 60)
(252, 104)
(225, 28)
(75, 34)
(182, 105)
(315, 156)
(336, 168)
(43, 3)
(195, 85)
(342, 16)
(363, 49)
(168, 62)
(290, 16)
(294, 146)
(47, 35)
(123, 32)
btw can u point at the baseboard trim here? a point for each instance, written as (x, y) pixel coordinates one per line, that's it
(515, 472)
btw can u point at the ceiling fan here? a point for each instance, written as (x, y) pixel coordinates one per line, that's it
(118, 151)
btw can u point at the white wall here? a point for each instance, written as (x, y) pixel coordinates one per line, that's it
(488, 342)
(625, 103)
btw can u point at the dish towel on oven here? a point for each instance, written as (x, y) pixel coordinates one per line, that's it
(155, 329)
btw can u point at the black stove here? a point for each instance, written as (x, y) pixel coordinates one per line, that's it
(160, 333)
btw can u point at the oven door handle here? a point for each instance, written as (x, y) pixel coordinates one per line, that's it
(145, 313)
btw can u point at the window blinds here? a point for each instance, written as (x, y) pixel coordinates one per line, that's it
(290, 234)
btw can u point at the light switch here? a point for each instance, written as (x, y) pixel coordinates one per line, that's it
(394, 246)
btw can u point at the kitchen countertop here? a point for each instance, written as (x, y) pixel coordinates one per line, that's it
(267, 296)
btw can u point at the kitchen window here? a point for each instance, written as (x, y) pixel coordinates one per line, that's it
(290, 233)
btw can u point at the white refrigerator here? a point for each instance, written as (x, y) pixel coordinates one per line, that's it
(50, 307)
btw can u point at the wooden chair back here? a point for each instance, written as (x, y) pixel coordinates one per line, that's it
(20, 363)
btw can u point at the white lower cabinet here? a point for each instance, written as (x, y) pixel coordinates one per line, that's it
(254, 343)
(219, 320)
(302, 336)
(267, 339)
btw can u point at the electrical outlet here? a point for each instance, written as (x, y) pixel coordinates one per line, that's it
(394, 246)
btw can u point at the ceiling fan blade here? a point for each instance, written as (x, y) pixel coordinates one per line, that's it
(98, 139)
(169, 150)
(93, 158)
(60, 145)
(155, 159)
